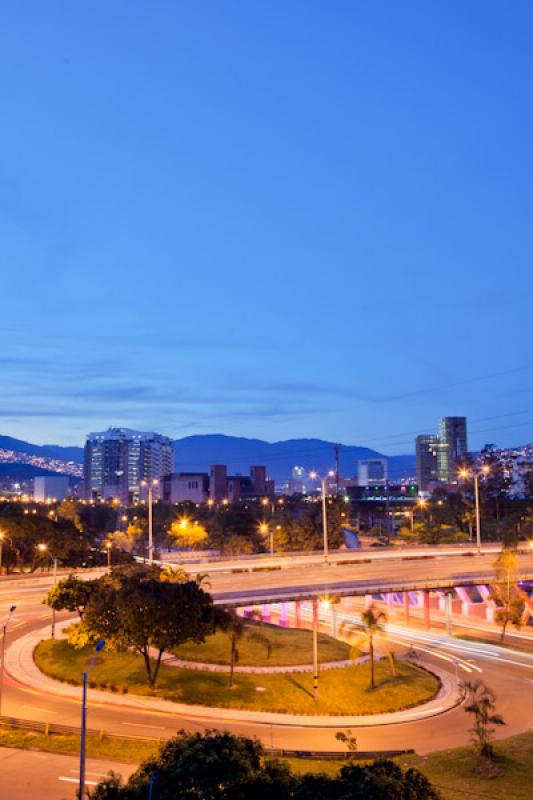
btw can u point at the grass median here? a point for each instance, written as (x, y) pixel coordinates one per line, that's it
(288, 647)
(453, 771)
(107, 747)
(342, 691)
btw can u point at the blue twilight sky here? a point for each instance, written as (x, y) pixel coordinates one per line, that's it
(271, 219)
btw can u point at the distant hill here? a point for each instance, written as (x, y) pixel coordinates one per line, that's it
(199, 452)
(25, 472)
(44, 450)
(239, 453)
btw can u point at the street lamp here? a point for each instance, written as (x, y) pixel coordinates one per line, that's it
(109, 547)
(324, 510)
(465, 473)
(99, 646)
(150, 486)
(325, 603)
(264, 529)
(42, 547)
(3, 652)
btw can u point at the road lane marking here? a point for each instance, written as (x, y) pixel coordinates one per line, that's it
(141, 725)
(42, 710)
(425, 713)
(66, 779)
(88, 772)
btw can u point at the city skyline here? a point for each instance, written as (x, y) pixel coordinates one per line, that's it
(266, 432)
(234, 222)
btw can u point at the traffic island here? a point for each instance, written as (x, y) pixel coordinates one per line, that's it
(342, 692)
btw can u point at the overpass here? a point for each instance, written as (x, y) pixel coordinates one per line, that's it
(404, 574)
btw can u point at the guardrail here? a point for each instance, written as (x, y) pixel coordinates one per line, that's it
(51, 729)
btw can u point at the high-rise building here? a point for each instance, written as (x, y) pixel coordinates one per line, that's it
(119, 459)
(432, 461)
(372, 471)
(453, 434)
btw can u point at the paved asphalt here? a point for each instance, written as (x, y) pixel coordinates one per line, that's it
(28, 775)
(510, 675)
(358, 578)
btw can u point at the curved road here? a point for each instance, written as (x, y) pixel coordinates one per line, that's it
(510, 674)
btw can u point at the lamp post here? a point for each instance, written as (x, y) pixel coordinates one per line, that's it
(323, 482)
(150, 486)
(3, 652)
(81, 791)
(315, 650)
(109, 547)
(2, 537)
(465, 473)
(42, 547)
(264, 529)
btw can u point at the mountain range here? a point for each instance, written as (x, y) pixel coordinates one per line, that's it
(197, 453)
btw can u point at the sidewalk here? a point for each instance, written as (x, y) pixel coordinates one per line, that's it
(21, 666)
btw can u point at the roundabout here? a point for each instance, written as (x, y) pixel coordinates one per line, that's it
(30, 695)
(344, 686)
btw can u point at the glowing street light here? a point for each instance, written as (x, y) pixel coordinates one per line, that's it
(150, 486)
(42, 547)
(109, 547)
(265, 529)
(465, 473)
(323, 482)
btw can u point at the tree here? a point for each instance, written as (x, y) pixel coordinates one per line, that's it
(302, 527)
(220, 766)
(480, 701)
(494, 488)
(236, 628)
(384, 780)
(373, 623)
(185, 533)
(210, 766)
(234, 530)
(70, 594)
(512, 605)
(69, 509)
(145, 614)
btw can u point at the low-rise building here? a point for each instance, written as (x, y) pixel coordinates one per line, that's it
(180, 487)
(50, 487)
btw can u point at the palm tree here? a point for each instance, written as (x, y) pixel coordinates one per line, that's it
(372, 621)
(236, 629)
(481, 702)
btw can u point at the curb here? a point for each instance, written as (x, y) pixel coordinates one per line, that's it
(20, 666)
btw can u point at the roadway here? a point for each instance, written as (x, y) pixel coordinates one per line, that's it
(510, 674)
(411, 572)
(30, 775)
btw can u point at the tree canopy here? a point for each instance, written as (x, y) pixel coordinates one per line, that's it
(220, 766)
(149, 615)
